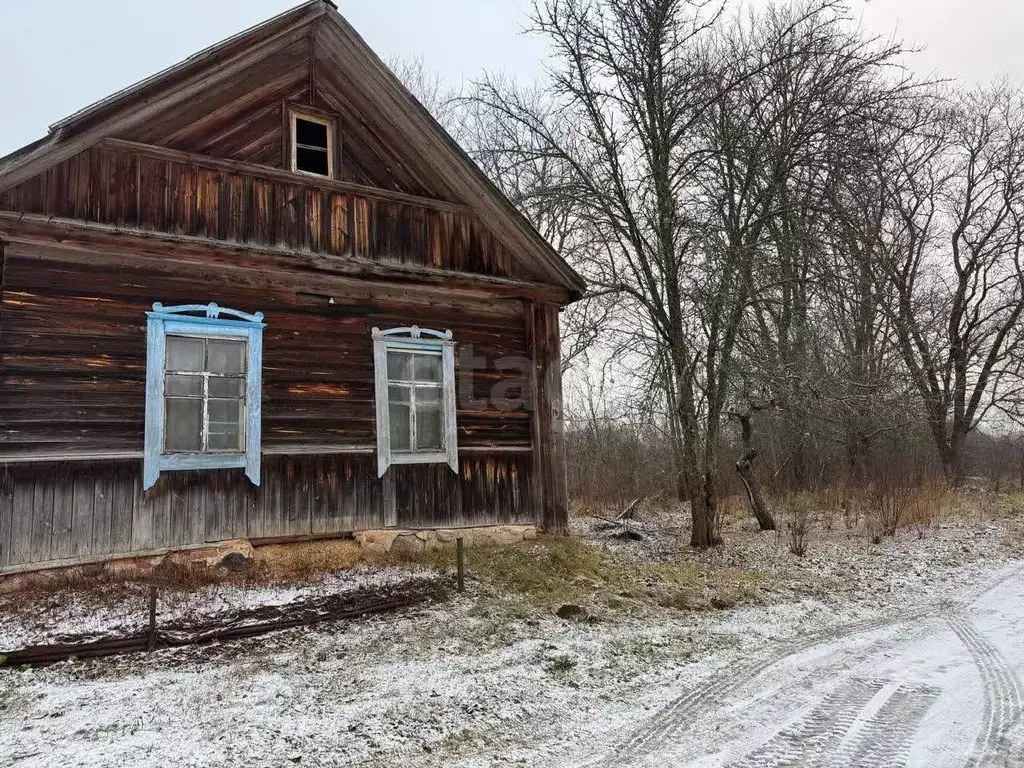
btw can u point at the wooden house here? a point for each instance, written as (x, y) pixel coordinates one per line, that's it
(263, 295)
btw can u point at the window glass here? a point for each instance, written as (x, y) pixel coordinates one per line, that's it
(428, 395)
(183, 431)
(184, 353)
(312, 142)
(400, 424)
(427, 368)
(183, 386)
(414, 384)
(312, 161)
(414, 402)
(225, 356)
(399, 366)
(428, 427)
(227, 387)
(205, 395)
(225, 425)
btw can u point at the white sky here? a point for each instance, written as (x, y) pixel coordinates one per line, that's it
(60, 55)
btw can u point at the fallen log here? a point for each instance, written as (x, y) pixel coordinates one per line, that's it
(43, 655)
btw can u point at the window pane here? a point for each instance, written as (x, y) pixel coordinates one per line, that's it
(227, 387)
(428, 368)
(428, 428)
(311, 161)
(399, 366)
(183, 428)
(398, 394)
(310, 133)
(428, 395)
(225, 427)
(226, 356)
(398, 417)
(183, 386)
(185, 354)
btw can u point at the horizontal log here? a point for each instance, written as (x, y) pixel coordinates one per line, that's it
(40, 229)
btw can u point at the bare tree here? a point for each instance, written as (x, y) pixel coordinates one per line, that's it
(646, 115)
(952, 270)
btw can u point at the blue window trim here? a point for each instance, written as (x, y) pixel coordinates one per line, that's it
(215, 322)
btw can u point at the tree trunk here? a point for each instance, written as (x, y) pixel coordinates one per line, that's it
(703, 508)
(858, 453)
(745, 469)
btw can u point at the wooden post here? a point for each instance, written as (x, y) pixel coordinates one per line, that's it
(152, 617)
(460, 564)
(547, 424)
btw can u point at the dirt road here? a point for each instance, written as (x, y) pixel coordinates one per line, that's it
(938, 690)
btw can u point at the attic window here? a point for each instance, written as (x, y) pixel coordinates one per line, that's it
(312, 145)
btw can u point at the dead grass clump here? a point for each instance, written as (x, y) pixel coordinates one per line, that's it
(554, 570)
(929, 503)
(290, 562)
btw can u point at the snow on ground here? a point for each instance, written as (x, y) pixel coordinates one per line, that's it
(491, 679)
(119, 609)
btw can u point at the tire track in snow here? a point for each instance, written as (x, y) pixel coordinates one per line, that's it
(672, 720)
(884, 742)
(807, 741)
(1003, 695)
(665, 727)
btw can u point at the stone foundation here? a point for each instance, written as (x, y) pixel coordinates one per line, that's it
(287, 556)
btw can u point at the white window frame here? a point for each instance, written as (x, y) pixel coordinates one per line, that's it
(415, 339)
(294, 116)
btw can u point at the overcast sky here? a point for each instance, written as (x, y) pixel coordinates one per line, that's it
(61, 55)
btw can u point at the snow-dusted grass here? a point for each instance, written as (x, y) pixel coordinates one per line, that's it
(492, 677)
(82, 612)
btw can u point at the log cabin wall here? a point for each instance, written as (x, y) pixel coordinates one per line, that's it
(179, 190)
(72, 398)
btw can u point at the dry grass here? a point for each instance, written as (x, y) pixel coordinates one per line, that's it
(273, 564)
(554, 570)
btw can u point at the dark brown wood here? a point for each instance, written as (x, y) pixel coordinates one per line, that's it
(460, 564)
(151, 631)
(72, 358)
(270, 173)
(178, 190)
(547, 426)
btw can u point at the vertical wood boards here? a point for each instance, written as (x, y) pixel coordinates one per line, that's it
(547, 418)
(110, 514)
(130, 188)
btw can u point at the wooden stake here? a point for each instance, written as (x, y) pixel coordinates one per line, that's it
(152, 617)
(460, 564)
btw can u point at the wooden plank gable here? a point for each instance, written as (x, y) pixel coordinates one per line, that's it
(230, 103)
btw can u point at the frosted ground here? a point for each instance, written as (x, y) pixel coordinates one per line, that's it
(906, 652)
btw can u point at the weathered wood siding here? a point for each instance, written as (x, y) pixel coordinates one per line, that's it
(73, 354)
(50, 513)
(146, 190)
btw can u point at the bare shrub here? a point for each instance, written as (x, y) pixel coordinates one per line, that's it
(889, 497)
(928, 503)
(798, 509)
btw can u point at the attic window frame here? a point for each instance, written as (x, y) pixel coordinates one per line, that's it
(296, 114)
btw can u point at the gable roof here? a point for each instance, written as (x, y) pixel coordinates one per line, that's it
(355, 78)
